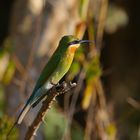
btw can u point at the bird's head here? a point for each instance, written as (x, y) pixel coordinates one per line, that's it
(72, 43)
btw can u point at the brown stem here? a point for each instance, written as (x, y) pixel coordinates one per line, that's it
(51, 94)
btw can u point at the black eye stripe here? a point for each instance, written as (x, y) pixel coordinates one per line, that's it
(74, 42)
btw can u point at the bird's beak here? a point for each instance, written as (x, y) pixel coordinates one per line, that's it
(74, 46)
(85, 41)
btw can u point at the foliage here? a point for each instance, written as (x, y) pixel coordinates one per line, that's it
(106, 72)
(55, 125)
(7, 66)
(5, 125)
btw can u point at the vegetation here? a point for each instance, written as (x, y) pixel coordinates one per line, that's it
(106, 102)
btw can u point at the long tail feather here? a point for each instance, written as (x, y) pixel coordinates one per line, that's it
(39, 100)
(23, 113)
(20, 117)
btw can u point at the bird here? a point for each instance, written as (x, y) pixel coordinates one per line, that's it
(57, 66)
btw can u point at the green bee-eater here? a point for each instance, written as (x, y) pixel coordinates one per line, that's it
(54, 70)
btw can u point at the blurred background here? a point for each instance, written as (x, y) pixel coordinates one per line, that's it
(105, 105)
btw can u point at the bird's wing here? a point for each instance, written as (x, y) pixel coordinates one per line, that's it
(47, 71)
(49, 68)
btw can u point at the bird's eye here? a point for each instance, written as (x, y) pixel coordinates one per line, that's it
(74, 42)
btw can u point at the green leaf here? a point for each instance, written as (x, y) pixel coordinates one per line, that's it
(9, 72)
(93, 69)
(5, 125)
(55, 125)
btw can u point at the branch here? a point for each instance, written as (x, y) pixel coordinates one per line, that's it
(51, 94)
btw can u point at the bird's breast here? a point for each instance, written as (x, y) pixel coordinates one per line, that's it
(73, 48)
(63, 67)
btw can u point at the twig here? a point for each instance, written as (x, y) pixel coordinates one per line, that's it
(101, 23)
(51, 94)
(73, 106)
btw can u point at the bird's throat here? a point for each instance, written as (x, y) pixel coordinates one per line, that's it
(73, 48)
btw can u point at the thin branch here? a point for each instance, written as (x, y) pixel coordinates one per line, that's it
(101, 23)
(51, 94)
(73, 105)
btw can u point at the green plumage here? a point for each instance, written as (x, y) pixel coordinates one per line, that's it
(52, 73)
(54, 70)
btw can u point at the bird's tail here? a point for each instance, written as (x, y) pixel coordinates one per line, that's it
(20, 117)
(23, 113)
